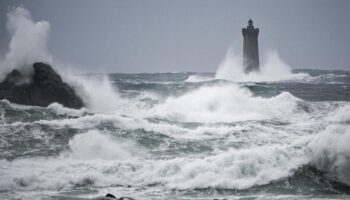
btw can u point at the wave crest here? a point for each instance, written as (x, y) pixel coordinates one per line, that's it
(225, 103)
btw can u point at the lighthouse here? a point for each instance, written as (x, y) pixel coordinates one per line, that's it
(250, 48)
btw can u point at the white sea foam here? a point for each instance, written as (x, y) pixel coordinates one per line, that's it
(17, 106)
(265, 153)
(274, 69)
(232, 169)
(340, 115)
(330, 150)
(61, 110)
(249, 166)
(95, 145)
(225, 103)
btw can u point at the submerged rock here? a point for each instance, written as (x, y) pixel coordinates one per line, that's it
(42, 88)
(111, 196)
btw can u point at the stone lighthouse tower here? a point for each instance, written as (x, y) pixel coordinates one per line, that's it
(250, 48)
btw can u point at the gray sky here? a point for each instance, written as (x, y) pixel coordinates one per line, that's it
(188, 35)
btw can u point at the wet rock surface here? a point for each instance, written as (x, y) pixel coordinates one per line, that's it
(41, 88)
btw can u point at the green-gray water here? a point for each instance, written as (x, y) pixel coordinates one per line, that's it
(183, 136)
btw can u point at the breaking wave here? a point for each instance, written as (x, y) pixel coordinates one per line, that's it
(225, 103)
(330, 150)
(274, 69)
(98, 93)
(202, 134)
(231, 169)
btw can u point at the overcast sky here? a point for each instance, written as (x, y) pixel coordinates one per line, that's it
(188, 35)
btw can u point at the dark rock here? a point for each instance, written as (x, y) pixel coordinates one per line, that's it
(14, 77)
(126, 198)
(42, 88)
(110, 196)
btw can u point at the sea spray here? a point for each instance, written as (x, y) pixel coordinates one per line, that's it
(98, 92)
(272, 69)
(203, 142)
(28, 42)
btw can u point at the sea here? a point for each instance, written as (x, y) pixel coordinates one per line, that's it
(183, 135)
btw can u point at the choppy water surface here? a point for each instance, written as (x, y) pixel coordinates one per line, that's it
(183, 136)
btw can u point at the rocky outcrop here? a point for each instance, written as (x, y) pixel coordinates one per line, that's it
(42, 88)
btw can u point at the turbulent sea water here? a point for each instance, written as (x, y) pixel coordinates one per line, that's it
(183, 136)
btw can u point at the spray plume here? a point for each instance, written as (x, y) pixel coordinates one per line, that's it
(28, 41)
